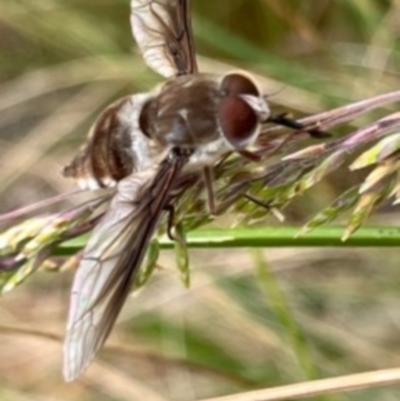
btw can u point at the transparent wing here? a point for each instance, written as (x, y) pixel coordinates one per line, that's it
(111, 259)
(163, 32)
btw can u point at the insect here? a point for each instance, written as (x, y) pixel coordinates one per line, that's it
(141, 144)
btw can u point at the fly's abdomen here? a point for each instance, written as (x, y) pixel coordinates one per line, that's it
(110, 153)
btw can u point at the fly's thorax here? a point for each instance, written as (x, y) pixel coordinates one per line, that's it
(182, 112)
(116, 146)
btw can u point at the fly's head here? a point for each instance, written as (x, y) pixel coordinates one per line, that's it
(241, 110)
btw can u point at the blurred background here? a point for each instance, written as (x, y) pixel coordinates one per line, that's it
(251, 319)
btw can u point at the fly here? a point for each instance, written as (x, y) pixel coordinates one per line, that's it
(141, 145)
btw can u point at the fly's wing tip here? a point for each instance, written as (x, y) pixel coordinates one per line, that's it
(163, 32)
(75, 360)
(69, 376)
(71, 369)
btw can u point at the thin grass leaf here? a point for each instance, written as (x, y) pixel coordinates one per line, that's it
(366, 204)
(290, 328)
(13, 239)
(35, 251)
(377, 153)
(312, 177)
(182, 254)
(342, 204)
(153, 252)
(379, 173)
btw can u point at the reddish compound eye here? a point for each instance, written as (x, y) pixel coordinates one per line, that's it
(237, 84)
(238, 121)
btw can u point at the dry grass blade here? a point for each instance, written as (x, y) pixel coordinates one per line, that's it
(119, 385)
(44, 81)
(316, 388)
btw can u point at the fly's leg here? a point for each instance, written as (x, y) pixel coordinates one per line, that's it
(170, 209)
(208, 183)
(208, 179)
(266, 205)
(254, 157)
(258, 202)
